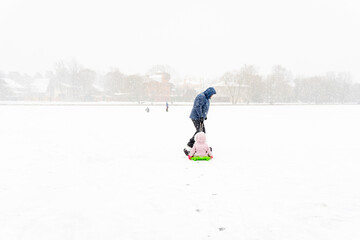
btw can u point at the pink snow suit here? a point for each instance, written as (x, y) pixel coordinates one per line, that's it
(200, 148)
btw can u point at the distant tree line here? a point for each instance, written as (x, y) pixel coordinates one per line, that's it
(72, 82)
(248, 86)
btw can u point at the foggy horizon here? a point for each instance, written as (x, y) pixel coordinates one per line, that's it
(183, 75)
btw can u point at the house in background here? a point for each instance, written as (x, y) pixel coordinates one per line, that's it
(39, 90)
(10, 90)
(231, 92)
(59, 91)
(158, 87)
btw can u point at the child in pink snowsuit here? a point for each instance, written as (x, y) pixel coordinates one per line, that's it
(200, 148)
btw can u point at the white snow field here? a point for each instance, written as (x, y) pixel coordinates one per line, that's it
(117, 172)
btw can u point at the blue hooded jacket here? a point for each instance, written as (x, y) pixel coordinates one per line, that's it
(201, 104)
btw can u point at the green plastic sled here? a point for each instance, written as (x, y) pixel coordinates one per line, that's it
(201, 158)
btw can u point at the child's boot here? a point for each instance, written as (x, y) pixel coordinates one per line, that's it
(186, 152)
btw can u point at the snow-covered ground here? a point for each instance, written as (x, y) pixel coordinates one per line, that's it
(117, 172)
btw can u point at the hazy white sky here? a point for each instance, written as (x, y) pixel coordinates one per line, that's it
(196, 37)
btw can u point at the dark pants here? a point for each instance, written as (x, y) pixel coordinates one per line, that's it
(200, 127)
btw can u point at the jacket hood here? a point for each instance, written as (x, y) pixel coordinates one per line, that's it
(200, 137)
(209, 92)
